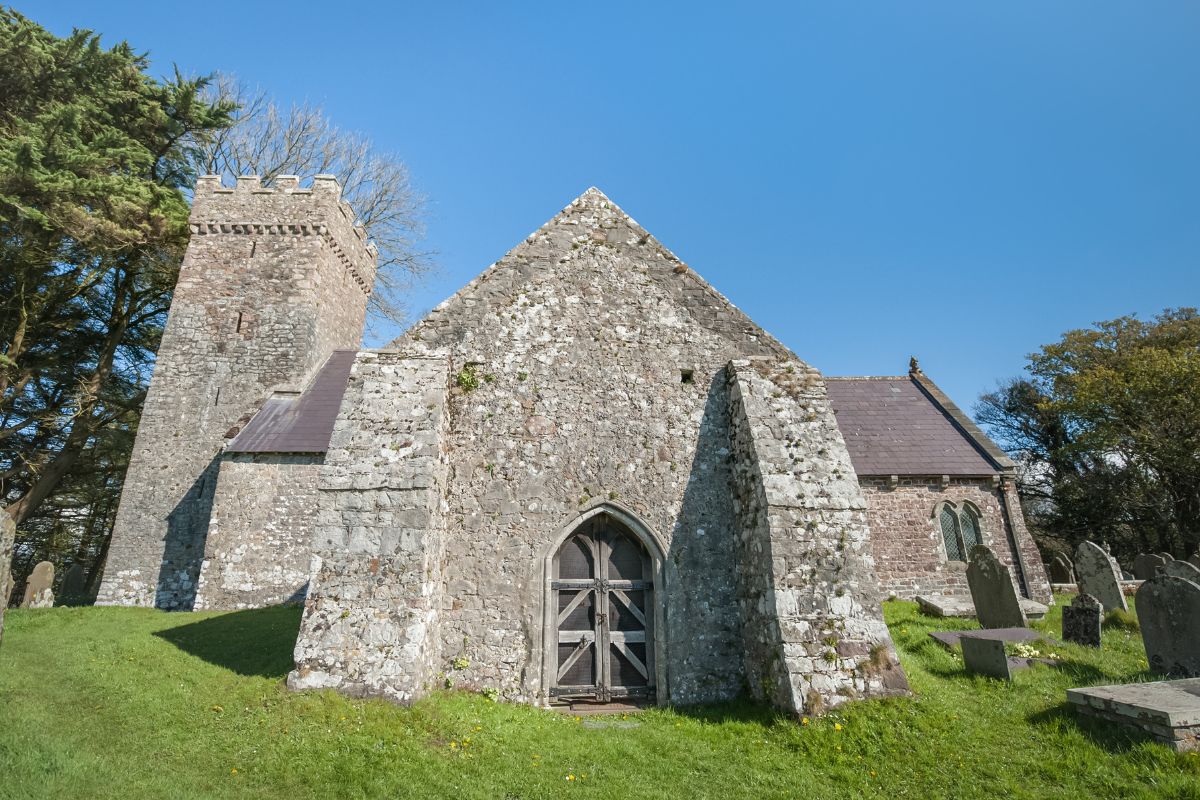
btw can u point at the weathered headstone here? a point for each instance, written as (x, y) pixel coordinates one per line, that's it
(1147, 565)
(1182, 569)
(74, 586)
(992, 591)
(1099, 576)
(986, 657)
(8, 532)
(1167, 556)
(1195, 559)
(39, 591)
(1061, 569)
(1081, 621)
(1169, 615)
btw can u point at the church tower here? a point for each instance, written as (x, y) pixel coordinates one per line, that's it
(274, 280)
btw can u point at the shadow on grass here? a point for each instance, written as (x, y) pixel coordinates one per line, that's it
(1109, 736)
(742, 709)
(256, 642)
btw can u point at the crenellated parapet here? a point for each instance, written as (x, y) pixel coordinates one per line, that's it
(284, 208)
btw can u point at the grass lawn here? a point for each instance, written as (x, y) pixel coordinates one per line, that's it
(131, 703)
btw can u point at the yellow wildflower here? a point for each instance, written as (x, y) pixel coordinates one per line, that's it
(233, 771)
(804, 720)
(837, 726)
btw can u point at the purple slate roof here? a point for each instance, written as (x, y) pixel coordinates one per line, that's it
(893, 427)
(299, 423)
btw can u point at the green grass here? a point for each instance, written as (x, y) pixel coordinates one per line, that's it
(131, 703)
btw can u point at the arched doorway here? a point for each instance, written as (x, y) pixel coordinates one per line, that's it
(602, 609)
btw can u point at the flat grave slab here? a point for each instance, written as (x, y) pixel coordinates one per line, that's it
(951, 639)
(1167, 710)
(951, 605)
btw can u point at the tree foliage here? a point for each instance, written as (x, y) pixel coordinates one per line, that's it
(95, 156)
(1107, 426)
(97, 159)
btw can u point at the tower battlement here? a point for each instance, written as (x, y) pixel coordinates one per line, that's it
(286, 209)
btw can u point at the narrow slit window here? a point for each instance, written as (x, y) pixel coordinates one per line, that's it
(239, 322)
(687, 376)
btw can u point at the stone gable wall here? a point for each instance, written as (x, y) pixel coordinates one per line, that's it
(810, 606)
(906, 537)
(579, 341)
(259, 546)
(273, 281)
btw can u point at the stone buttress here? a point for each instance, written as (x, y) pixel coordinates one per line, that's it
(274, 279)
(370, 624)
(809, 600)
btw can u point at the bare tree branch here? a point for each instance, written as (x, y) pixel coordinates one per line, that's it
(269, 140)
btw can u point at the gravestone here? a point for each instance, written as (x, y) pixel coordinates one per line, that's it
(8, 532)
(1182, 569)
(1081, 621)
(1061, 569)
(1167, 710)
(992, 591)
(1099, 576)
(1195, 559)
(74, 586)
(39, 592)
(986, 657)
(1169, 614)
(1146, 566)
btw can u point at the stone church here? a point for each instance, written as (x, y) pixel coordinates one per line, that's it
(585, 477)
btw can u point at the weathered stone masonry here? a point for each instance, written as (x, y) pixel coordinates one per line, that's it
(258, 551)
(589, 372)
(273, 281)
(811, 620)
(371, 620)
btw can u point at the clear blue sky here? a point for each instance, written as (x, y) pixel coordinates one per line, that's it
(960, 181)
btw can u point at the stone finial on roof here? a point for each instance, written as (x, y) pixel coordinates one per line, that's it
(913, 367)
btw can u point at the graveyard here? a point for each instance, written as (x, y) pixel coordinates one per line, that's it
(141, 703)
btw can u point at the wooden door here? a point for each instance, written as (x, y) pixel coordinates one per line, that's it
(602, 589)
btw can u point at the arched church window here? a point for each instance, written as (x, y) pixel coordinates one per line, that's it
(951, 533)
(969, 519)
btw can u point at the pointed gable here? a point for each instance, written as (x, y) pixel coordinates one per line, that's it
(591, 239)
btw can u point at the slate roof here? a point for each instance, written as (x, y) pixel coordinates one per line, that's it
(902, 426)
(299, 423)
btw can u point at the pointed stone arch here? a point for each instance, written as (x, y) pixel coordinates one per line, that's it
(594, 595)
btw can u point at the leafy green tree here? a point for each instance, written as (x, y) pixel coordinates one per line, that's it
(95, 156)
(1107, 426)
